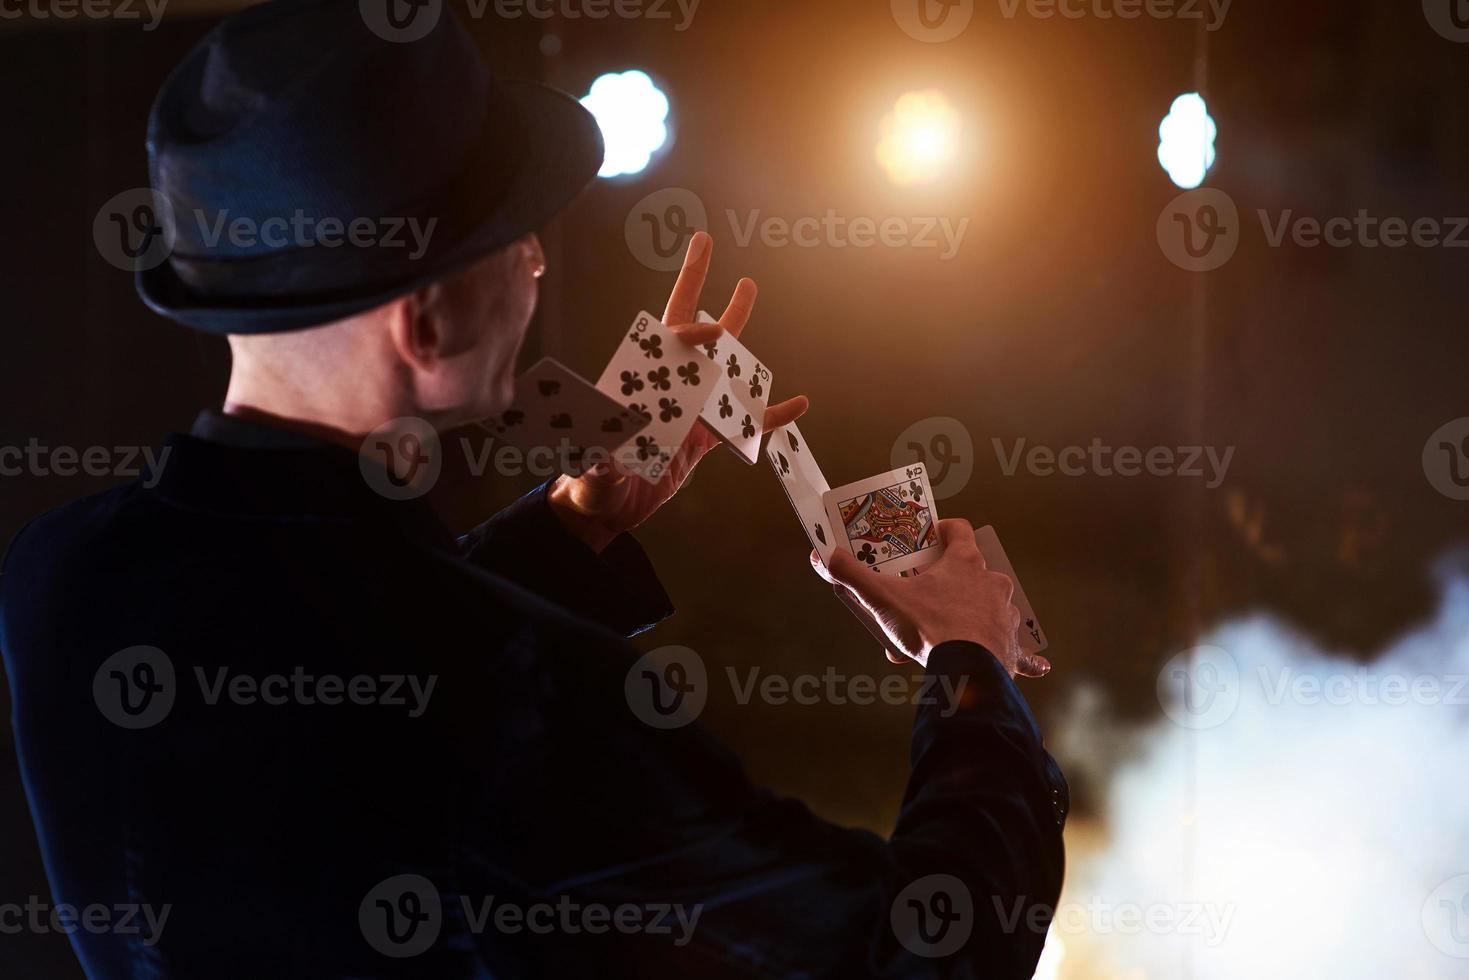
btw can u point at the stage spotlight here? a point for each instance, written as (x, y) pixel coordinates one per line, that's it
(1186, 141)
(919, 138)
(632, 114)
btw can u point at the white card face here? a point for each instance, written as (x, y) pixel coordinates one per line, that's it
(656, 374)
(803, 483)
(887, 521)
(736, 406)
(1032, 637)
(559, 413)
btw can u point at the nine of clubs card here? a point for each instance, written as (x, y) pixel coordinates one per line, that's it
(741, 393)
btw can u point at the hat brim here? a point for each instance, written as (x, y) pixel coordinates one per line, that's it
(561, 151)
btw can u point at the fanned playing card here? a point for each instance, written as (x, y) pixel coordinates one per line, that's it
(803, 483)
(656, 374)
(736, 406)
(888, 521)
(1032, 637)
(559, 412)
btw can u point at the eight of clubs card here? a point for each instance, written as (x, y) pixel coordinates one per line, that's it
(888, 521)
(737, 403)
(654, 373)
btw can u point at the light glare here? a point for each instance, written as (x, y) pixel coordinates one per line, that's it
(918, 138)
(1186, 141)
(632, 114)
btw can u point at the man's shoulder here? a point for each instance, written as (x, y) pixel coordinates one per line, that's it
(49, 540)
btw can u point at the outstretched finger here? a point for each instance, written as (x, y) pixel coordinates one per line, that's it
(741, 305)
(683, 302)
(786, 412)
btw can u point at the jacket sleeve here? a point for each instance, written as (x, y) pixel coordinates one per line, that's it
(526, 544)
(620, 812)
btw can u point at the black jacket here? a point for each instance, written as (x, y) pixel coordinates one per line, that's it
(516, 819)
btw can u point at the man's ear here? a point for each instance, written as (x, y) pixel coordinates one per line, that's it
(415, 331)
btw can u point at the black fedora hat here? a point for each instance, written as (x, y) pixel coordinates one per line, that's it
(314, 165)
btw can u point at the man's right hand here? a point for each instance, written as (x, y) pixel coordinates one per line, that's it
(955, 598)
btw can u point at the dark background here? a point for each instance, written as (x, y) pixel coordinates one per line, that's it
(1060, 321)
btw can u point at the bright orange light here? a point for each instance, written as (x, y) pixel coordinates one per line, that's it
(919, 138)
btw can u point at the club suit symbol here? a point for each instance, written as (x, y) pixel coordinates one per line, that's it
(933, 916)
(933, 21)
(134, 230)
(402, 21)
(658, 227)
(134, 688)
(1450, 18)
(668, 687)
(1200, 687)
(1446, 459)
(1199, 230)
(1446, 917)
(401, 916)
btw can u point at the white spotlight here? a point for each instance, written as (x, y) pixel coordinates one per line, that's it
(633, 115)
(1186, 141)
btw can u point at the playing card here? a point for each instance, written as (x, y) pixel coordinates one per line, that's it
(736, 406)
(803, 483)
(558, 412)
(888, 521)
(656, 374)
(1032, 637)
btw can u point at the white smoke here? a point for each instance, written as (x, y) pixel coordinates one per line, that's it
(1312, 824)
